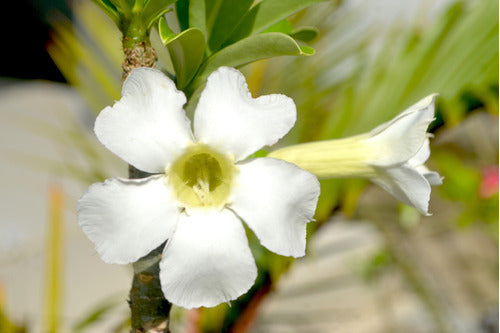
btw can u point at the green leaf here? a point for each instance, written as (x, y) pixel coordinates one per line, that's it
(197, 15)
(186, 51)
(305, 34)
(250, 49)
(166, 34)
(229, 14)
(155, 9)
(283, 26)
(110, 10)
(267, 13)
(182, 11)
(123, 7)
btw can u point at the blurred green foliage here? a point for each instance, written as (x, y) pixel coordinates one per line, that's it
(6, 325)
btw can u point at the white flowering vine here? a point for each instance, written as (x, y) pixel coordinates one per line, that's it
(201, 187)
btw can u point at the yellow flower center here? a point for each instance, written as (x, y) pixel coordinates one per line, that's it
(202, 177)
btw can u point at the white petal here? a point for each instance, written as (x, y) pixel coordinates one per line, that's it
(407, 185)
(126, 219)
(418, 161)
(422, 155)
(229, 119)
(207, 261)
(400, 139)
(432, 177)
(276, 199)
(147, 127)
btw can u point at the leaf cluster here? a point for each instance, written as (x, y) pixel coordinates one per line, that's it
(213, 33)
(231, 33)
(134, 17)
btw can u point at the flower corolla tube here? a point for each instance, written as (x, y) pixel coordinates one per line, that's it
(201, 188)
(392, 156)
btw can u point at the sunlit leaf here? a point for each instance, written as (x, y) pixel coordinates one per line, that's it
(250, 49)
(283, 26)
(154, 10)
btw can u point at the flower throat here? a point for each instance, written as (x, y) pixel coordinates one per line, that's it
(202, 177)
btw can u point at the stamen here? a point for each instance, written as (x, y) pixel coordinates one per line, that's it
(202, 177)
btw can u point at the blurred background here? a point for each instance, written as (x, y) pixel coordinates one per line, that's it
(373, 265)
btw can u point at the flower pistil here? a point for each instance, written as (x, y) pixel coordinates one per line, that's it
(202, 177)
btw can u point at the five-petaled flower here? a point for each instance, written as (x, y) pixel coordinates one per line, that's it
(200, 188)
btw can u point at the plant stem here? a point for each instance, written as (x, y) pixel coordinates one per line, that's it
(136, 45)
(138, 54)
(148, 306)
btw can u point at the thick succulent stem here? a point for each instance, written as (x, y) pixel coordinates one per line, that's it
(139, 54)
(148, 306)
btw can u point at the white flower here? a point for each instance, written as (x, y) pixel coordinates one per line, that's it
(201, 187)
(401, 170)
(392, 156)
